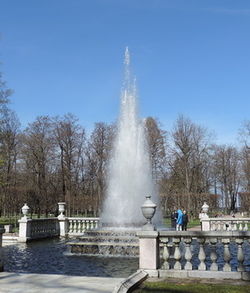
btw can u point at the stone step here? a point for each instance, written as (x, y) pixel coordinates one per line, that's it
(110, 233)
(110, 242)
(114, 239)
(115, 249)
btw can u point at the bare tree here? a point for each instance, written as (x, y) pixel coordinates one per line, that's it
(38, 154)
(97, 153)
(189, 162)
(5, 93)
(228, 171)
(9, 138)
(70, 139)
(156, 138)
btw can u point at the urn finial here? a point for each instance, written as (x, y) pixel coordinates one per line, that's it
(148, 211)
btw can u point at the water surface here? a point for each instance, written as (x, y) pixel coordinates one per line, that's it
(51, 257)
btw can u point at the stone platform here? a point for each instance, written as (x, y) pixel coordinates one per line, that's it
(107, 243)
(37, 283)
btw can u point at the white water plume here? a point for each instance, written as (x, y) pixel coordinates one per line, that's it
(130, 175)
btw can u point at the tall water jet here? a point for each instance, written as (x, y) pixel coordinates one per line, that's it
(130, 174)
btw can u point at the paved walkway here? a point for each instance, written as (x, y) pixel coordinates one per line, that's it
(37, 283)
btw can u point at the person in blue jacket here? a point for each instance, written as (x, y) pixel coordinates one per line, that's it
(179, 221)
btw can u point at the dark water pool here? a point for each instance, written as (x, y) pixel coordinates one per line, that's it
(50, 257)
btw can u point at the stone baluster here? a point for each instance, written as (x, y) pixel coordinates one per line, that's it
(177, 254)
(201, 255)
(87, 224)
(240, 226)
(235, 226)
(74, 226)
(188, 254)
(245, 226)
(165, 255)
(240, 255)
(83, 225)
(91, 225)
(227, 255)
(80, 226)
(230, 226)
(213, 254)
(70, 226)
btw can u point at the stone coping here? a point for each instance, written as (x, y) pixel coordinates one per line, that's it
(219, 234)
(131, 282)
(185, 274)
(102, 244)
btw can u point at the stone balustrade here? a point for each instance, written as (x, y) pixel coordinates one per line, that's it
(2, 230)
(226, 224)
(197, 254)
(30, 229)
(77, 226)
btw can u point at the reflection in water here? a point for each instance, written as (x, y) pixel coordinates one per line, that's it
(49, 257)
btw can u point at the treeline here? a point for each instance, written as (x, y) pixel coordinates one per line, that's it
(54, 160)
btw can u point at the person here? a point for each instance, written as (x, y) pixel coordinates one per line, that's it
(184, 220)
(201, 215)
(179, 220)
(174, 216)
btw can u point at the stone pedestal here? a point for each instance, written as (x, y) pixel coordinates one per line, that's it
(205, 223)
(1, 253)
(24, 229)
(149, 250)
(63, 226)
(8, 228)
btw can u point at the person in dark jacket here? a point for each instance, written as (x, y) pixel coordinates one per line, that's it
(184, 221)
(174, 216)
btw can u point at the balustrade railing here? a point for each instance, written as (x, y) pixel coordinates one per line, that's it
(42, 228)
(77, 226)
(229, 224)
(210, 254)
(30, 229)
(2, 230)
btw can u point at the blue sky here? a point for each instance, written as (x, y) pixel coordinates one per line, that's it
(189, 57)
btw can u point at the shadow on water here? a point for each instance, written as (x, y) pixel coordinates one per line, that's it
(50, 257)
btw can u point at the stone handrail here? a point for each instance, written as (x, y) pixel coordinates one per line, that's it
(30, 229)
(226, 224)
(197, 254)
(2, 230)
(77, 226)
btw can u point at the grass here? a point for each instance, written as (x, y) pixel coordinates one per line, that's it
(9, 220)
(192, 223)
(166, 287)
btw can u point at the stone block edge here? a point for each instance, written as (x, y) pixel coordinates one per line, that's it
(131, 282)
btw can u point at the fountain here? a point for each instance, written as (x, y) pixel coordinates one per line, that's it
(129, 181)
(130, 175)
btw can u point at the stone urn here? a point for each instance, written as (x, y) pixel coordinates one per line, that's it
(25, 210)
(148, 211)
(61, 209)
(205, 208)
